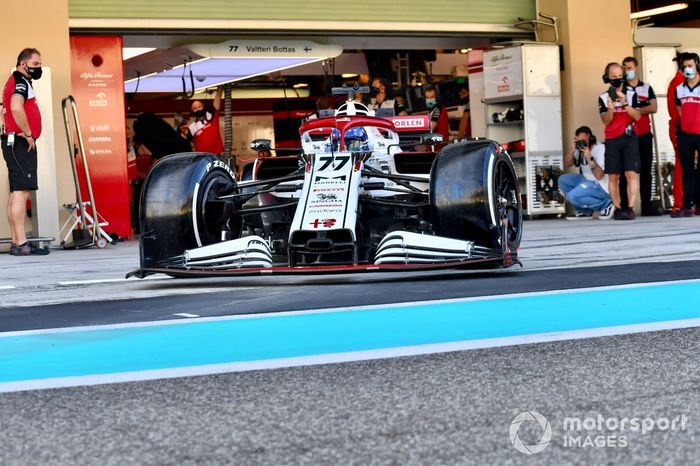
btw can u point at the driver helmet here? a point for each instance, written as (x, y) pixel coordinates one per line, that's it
(356, 139)
(333, 141)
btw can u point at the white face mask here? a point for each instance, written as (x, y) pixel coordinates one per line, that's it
(689, 72)
(630, 75)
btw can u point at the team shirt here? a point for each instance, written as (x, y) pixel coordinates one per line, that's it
(206, 136)
(689, 100)
(389, 103)
(645, 93)
(621, 119)
(18, 84)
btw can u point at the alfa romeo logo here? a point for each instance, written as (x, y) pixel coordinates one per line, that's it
(530, 416)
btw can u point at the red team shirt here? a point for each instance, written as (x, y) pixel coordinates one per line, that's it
(206, 137)
(689, 100)
(18, 84)
(621, 119)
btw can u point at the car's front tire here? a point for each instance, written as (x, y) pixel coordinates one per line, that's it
(474, 192)
(181, 207)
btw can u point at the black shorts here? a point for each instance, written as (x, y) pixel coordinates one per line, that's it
(622, 154)
(21, 164)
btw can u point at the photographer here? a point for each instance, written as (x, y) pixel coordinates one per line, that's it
(587, 191)
(618, 113)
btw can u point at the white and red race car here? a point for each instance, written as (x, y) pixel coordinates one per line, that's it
(359, 197)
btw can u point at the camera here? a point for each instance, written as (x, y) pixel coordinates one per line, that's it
(581, 144)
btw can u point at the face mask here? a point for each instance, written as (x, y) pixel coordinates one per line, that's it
(198, 113)
(374, 91)
(689, 72)
(617, 82)
(430, 103)
(34, 73)
(630, 75)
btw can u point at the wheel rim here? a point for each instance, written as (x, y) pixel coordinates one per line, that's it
(210, 227)
(507, 201)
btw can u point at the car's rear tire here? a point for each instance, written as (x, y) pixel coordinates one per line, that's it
(474, 192)
(180, 206)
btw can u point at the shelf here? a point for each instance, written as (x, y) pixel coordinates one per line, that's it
(507, 123)
(504, 99)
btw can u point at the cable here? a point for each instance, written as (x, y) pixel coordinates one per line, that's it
(12, 148)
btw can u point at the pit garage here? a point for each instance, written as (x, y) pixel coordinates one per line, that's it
(273, 80)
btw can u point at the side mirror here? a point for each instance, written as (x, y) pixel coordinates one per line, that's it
(261, 145)
(431, 139)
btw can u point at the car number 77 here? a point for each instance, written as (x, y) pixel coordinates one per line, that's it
(328, 160)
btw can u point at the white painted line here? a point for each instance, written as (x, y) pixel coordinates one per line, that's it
(185, 314)
(109, 280)
(335, 358)
(7, 287)
(273, 315)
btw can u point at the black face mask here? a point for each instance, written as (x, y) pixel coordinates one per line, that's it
(34, 73)
(374, 91)
(199, 113)
(617, 82)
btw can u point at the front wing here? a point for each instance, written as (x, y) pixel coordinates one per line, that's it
(482, 262)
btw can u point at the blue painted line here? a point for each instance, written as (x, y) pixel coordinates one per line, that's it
(165, 346)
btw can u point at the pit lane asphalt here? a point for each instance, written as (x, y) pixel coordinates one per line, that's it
(453, 408)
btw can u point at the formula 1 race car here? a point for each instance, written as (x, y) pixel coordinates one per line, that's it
(358, 198)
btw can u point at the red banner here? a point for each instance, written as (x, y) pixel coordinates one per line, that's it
(97, 78)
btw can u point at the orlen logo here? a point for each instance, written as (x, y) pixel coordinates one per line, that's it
(101, 100)
(410, 123)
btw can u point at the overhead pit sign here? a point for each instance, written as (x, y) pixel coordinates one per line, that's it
(210, 65)
(267, 48)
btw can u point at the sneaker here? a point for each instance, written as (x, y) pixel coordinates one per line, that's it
(682, 213)
(607, 213)
(579, 215)
(27, 249)
(626, 214)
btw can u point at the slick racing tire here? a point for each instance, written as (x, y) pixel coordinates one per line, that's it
(474, 192)
(180, 206)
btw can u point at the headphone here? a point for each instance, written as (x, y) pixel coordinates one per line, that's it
(606, 79)
(696, 59)
(681, 57)
(592, 140)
